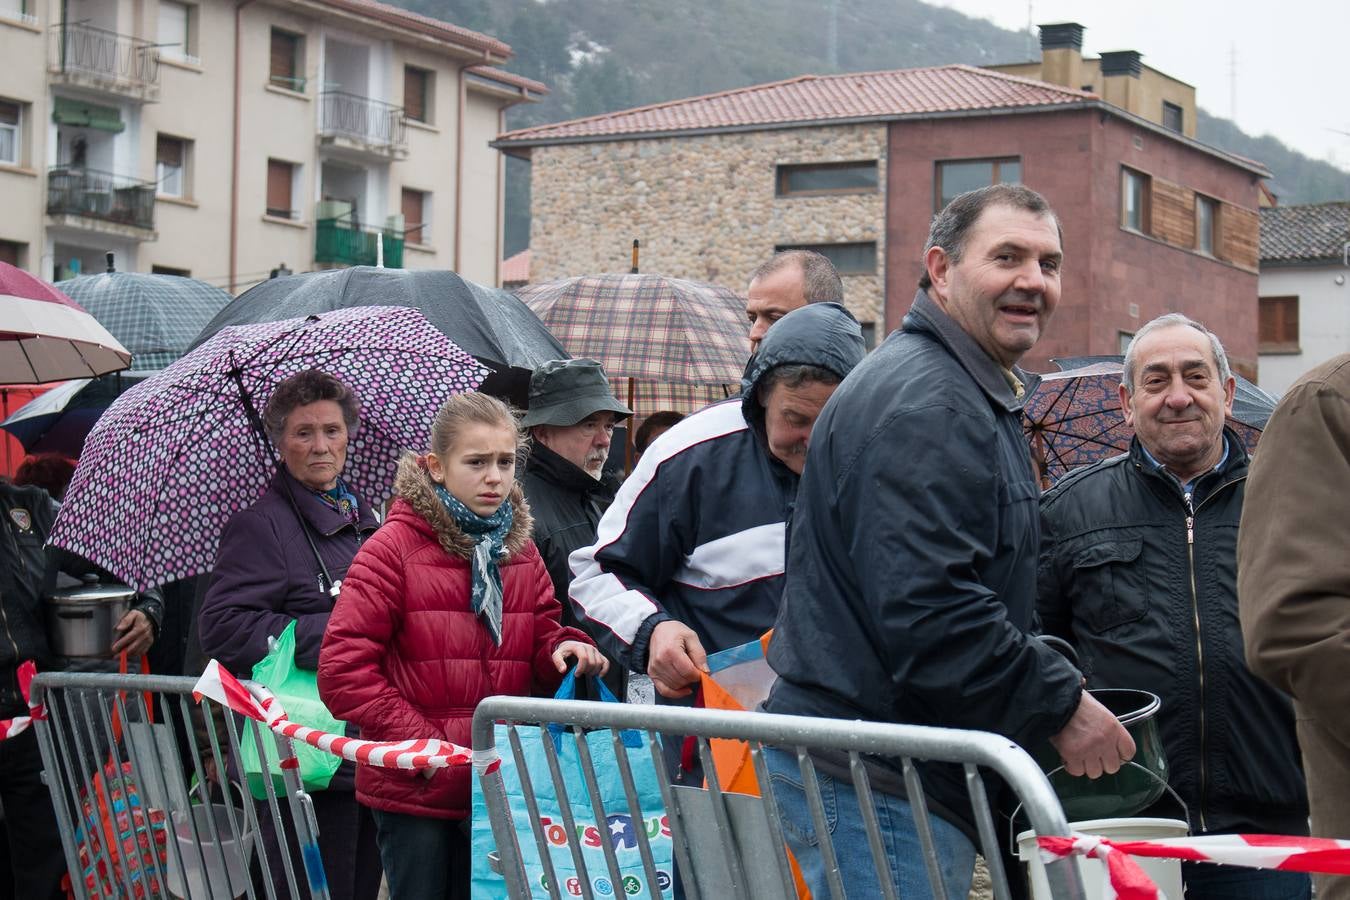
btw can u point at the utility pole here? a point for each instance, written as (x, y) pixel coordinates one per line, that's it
(1030, 18)
(1232, 82)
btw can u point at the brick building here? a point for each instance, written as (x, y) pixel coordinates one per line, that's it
(855, 166)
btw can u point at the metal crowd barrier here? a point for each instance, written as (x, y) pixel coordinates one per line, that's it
(732, 845)
(135, 804)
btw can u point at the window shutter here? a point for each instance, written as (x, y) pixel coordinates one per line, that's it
(283, 58)
(278, 188)
(412, 215)
(169, 151)
(414, 94)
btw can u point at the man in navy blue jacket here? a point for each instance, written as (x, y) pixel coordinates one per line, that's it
(911, 574)
(689, 557)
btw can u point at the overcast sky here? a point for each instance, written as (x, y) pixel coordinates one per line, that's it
(1293, 56)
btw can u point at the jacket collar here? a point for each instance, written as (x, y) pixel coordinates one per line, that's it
(925, 316)
(1234, 466)
(412, 485)
(566, 474)
(320, 516)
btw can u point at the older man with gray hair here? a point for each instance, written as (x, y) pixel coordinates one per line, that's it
(1139, 572)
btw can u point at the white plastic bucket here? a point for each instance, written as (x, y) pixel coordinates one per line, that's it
(1166, 873)
(230, 856)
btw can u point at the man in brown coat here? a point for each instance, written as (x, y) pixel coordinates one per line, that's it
(1294, 584)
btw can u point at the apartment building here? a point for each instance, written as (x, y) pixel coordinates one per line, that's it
(224, 139)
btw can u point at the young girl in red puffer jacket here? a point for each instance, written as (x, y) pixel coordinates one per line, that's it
(448, 603)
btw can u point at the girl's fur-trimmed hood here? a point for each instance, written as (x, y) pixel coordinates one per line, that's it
(413, 484)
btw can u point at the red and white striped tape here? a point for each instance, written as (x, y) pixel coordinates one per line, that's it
(19, 724)
(1125, 880)
(258, 703)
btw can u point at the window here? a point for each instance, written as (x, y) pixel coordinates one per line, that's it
(1135, 191)
(1206, 223)
(807, 179)
(171, 166)
(1172, 117)
(286, 69)
(170, 270)
(1123, 339)
(1278, 326)
(849, 259)
(18, 11)
(11, 120)
(281, 189)
(417, 97)
(12, 252)
(955, 178)
(176, 26)
(416, 216)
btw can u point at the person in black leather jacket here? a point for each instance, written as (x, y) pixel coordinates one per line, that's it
(1139, 571)
(28, 573)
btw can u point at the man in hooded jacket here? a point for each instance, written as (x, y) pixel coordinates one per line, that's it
(689, 558)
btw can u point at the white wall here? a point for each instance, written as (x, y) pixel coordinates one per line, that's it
(1323, 320)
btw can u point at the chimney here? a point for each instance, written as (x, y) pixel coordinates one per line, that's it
(1120, 82)
(1062, 54)
(1122, 62)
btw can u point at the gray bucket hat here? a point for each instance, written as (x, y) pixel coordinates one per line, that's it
(565, 391)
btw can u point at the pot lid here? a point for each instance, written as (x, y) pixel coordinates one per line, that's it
(94, 594)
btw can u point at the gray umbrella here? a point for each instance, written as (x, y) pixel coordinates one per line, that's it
(157, 317)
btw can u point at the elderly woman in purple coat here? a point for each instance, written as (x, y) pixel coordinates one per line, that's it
(280, 560)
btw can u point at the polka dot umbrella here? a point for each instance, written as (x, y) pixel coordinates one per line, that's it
(173, 458)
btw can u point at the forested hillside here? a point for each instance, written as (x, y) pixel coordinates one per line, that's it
(602, 55)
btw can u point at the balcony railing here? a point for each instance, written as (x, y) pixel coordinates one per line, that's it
(361, 119)
(91, 194)
(348, 244)
(104, 55)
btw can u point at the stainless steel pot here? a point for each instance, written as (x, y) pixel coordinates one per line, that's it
(80, 621)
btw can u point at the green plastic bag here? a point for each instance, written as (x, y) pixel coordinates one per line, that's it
(298, 691)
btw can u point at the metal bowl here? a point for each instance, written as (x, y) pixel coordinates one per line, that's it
(80, 621)
(1137, 785)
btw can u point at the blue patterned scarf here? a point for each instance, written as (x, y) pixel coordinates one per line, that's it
(489, 536)
(341, 499)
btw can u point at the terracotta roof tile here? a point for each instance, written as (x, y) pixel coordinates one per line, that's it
(516, 269)
(508, 78)
(1316, 232)
(425, 24)
(811, 98)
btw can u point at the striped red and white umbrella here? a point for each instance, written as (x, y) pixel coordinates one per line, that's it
(46, 336)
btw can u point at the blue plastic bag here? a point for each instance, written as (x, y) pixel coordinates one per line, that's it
(619, 827)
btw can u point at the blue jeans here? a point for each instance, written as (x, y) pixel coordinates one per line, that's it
(848, 836)
(424, 858)
(1206, 881)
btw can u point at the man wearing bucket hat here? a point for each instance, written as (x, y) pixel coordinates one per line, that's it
(1139, 571)
(571, 418)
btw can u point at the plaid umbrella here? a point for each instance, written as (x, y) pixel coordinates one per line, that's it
(1073, 418)
(177, 455)
(46, 336)
(156, 316)
(683, 344)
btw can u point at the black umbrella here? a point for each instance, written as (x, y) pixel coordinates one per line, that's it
(489, 324)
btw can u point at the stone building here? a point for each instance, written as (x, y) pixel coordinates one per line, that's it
(223, 139)
(856, 165)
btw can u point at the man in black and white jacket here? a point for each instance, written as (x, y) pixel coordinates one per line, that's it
(689, 558)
